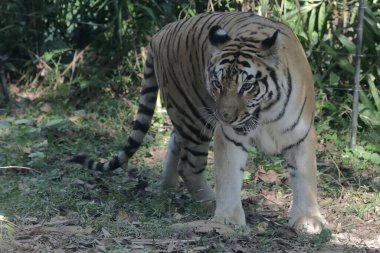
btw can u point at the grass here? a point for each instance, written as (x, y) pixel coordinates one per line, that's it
(47, 204)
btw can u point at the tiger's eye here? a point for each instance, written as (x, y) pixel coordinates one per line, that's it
(216, 84)
(247, 86)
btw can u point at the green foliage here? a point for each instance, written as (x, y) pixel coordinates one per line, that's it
(81, 47)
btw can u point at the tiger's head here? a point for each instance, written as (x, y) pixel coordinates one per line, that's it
(238, 77)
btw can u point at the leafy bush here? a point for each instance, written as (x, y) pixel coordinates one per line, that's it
(78, 47)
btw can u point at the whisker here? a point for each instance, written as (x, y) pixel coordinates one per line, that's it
(209, 116)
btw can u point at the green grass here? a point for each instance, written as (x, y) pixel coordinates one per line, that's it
(38, 138)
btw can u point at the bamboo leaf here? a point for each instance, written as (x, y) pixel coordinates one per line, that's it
(345, 65)
(300, 11)
(321, 18)
(311, 23)
(349, 45)
(374, 92)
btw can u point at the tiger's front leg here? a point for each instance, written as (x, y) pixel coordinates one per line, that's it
(305, 214)
(230, 158)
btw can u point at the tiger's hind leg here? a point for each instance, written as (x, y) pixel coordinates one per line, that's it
(170, 174)
(305, 214)
(191, 168)
(188, 161)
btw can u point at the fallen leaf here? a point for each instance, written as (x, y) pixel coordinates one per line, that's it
(45, 108)
(205, 226)
(30, 95)
(106, 233)
(74, 118)
(269, 176)
(26, 150)
(122, 217)
(14, 89)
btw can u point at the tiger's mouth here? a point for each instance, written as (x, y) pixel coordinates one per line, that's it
(247, 126)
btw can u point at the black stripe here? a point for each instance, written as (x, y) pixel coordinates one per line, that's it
(131, 147)
(151, 89)
(149, 64)
(152, 100)
(196, 152)
(281, 114)
(272, 74)
(99, 166)
(291, 128)
(292, 170)
(186, 160)
(145, 110)
(80, 159)
(242, 169)
(299, 141)
(132, 143)
(90, 164)
(184, 135)
(193, 129)
(203, 26)
(148, 75)
(199, 171)
(238, 144)
(114, 163)
(141, 126)
(189, 104)
(244, 64)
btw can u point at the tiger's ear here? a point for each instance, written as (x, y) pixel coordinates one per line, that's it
(218, 36)
(270, 41)
(270, 48)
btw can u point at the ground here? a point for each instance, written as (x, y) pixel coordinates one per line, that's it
(50, 205)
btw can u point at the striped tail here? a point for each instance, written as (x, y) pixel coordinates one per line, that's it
(147, 104)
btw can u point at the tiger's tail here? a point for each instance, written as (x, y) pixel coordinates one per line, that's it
(147, 104)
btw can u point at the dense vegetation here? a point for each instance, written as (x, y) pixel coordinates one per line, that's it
(72, 72)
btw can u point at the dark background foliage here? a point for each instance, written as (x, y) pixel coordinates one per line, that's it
(83, 47)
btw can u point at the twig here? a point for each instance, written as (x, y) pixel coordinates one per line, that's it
(163, 241)
(355, 103)
(3, 82)
(19, 168)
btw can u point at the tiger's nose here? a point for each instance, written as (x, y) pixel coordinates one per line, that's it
(227, 114)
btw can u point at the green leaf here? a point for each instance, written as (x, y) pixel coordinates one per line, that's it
(299, 11)
(36, 155)
(48, 56)
(54, 122)
(348, 44)
(311, 23)
(333, 78)
(314, 38)
(375, 158)
(4, 124)
(26, 121)
(345, 65)
(374, 92)
(321, 18)
(27, 130)
(247, 175)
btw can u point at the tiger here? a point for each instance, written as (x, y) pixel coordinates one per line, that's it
(238, 79)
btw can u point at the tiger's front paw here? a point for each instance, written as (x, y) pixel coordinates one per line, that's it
(237, 218)
(309, 224)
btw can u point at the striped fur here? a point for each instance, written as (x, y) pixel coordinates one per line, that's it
(243, 79)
